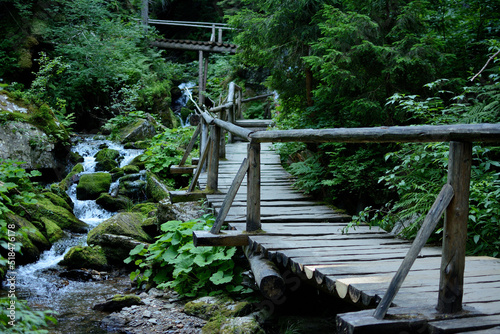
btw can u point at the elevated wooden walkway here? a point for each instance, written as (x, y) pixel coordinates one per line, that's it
(357, 265)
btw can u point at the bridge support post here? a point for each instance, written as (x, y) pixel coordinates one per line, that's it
(213, 164)
(253, 187)
(145, 14)
(455, 229)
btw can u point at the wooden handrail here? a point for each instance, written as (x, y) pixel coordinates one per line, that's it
(396, 134)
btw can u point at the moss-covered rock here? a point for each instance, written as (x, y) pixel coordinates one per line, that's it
(30, 237)
(135, 189)
(72, 177)
(90, 257)
(58, 200)
(138, 161)
(116, 247)
(114, 204)
(64, 218)
(52, 230)
(124, 223)
(92, 185)
(131, 169)
(117, 302)
(155, 189)
(139, 130)
(107, 159)
(147, 209)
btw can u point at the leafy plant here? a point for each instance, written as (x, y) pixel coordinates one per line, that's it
(173, 262)
(166, 149)
(26, 319)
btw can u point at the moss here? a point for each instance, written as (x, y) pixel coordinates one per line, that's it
(44, 119)
(124, 223)
(107, 159)
(71, 177)
(92, 185)
(64, 218)
(91, 257)
(57, 200)
(137, 161)
(130, 169)
(114, 204)
(155, 189)
(146, 209)
(52, 230)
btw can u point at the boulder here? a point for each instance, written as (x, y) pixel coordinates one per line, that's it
(107, 159)
(155, 189)
(116, 247)
(117, 302)
(64, 218)
(123, 223)
(58, 200)
(135, 189)
(92, 185)
(52, 230)
(139, 130)
(28, 144)
(81, 275)
(30, 237)
(131, 169)
(113, 204)
(91, 257)
(72, 177)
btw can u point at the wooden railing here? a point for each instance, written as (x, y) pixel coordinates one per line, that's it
(453, 198)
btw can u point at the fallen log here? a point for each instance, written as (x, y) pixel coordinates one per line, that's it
(266, 274)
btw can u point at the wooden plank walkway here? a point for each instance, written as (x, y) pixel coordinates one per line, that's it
(308, 238)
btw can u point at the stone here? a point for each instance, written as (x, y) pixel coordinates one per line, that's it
(91, 257)
(72, 177)
(57, 200)
(136, 190)
(139, 130)
(123, 223)
(114, 204)
(155, 188)
(117, 303)
(131, 169)
(92, 185)
(52, 230)
(116, 247)
(64, 218)
(32, 146)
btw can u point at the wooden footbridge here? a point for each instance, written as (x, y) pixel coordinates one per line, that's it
(399, 286)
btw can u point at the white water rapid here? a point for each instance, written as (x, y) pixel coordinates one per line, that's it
(39, 282)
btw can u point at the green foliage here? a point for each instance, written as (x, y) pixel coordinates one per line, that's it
(16, 190)
(26, 320)
(166, 149)
(173, 262)
(122, 120)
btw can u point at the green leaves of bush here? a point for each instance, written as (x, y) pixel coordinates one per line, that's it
(174, 262)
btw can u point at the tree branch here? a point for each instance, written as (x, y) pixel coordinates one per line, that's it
(485, 65)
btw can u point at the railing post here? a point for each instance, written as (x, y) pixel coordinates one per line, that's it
(145, 14)
(201, 76)
(455, 229)
(213, 162)
(253, 187)
(220, 35)
(203, 140)
(222, 147)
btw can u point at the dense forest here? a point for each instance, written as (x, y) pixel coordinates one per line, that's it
(330, 63)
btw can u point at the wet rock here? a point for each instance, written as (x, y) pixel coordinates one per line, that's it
(92, 185)
(114, 204)
(116, 247)
(64, 218)
(107, 159)
(81, 275)
(52, 230)
(131, 169)
(135, 190)
(118, 302)
(72, 177)
(91, 257)
(58, 200)
(155, 189)
(124, 224)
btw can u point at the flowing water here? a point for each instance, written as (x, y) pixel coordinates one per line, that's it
(39, 282)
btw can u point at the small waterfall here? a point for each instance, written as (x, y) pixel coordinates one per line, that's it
(39, 282)
(182, 102)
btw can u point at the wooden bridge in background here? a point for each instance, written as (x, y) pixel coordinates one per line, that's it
(414, 288)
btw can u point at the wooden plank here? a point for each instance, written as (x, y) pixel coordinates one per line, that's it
(493, 330)
(224, 238)
(464, 324)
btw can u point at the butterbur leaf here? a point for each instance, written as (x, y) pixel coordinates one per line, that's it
(220, 277)
(137, 249)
